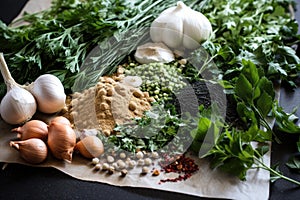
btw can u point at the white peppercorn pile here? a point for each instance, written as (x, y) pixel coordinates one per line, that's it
(124, 163)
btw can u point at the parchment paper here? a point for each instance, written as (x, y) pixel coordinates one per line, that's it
(204, 183)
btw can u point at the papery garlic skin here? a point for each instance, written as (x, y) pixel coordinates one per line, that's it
(153, 52)
(17, 106)
(133, 81)
(49, 93)
(180, 26)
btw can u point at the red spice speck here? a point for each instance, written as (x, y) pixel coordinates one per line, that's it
(181, 165)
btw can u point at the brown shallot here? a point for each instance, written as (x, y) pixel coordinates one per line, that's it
(33, 150)
(61, 140)
(90, 147)
(61, 119)
(32, 129)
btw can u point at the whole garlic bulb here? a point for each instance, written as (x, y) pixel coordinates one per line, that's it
(49, 93)
(18, 105)
(61, 140)
(180, 26)
(33, 150)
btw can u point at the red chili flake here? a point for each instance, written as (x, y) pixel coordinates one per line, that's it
(179, 164)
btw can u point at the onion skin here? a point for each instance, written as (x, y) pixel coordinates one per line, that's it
(32, 129)
(33, 151)
(61, 141)
(61, 120)
(90, 147)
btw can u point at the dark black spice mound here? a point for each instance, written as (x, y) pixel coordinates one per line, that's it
(202, 93)
(190, 98)
(232, 116)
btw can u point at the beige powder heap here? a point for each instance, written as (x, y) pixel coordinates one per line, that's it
(108, 103)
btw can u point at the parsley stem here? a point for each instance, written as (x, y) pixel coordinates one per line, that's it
(264, 122)
(274, 172)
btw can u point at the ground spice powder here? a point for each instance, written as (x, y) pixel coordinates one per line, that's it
(108, 103)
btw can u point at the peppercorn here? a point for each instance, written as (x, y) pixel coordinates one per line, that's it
(124, 172)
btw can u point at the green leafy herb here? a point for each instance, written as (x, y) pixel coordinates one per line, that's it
(254, 94)
(251, 47)
(156, 131)
(294, 163)
(285, 121)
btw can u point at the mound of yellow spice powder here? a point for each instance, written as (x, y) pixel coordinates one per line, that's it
(108, 103)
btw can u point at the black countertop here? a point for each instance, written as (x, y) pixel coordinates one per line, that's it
(23, 182)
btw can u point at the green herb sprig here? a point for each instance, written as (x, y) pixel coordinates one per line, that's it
(251, 47)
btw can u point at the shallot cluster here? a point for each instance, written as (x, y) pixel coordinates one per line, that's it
(36, 137)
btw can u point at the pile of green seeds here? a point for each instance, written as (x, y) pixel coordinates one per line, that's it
(160, 80)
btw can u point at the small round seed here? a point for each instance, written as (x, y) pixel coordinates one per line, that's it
(145, 170)
(141, 162)
(148, 161)
(110, 159)
(131, 164)
(98, 166)
(121, 164)
(95, 161)
(105, 166)
(139, 155)
(122, 155)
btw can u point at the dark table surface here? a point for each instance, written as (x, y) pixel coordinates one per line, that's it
(23, 182)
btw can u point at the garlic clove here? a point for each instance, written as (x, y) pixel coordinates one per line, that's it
(49, 93)
(90, 147)
(153, 52)
(173, 34)
(32, 129)
(168, 32)
(167, 29)
(33, 150)
(133, 81)
(196, 31)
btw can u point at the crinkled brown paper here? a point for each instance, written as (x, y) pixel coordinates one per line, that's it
(204, 183)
